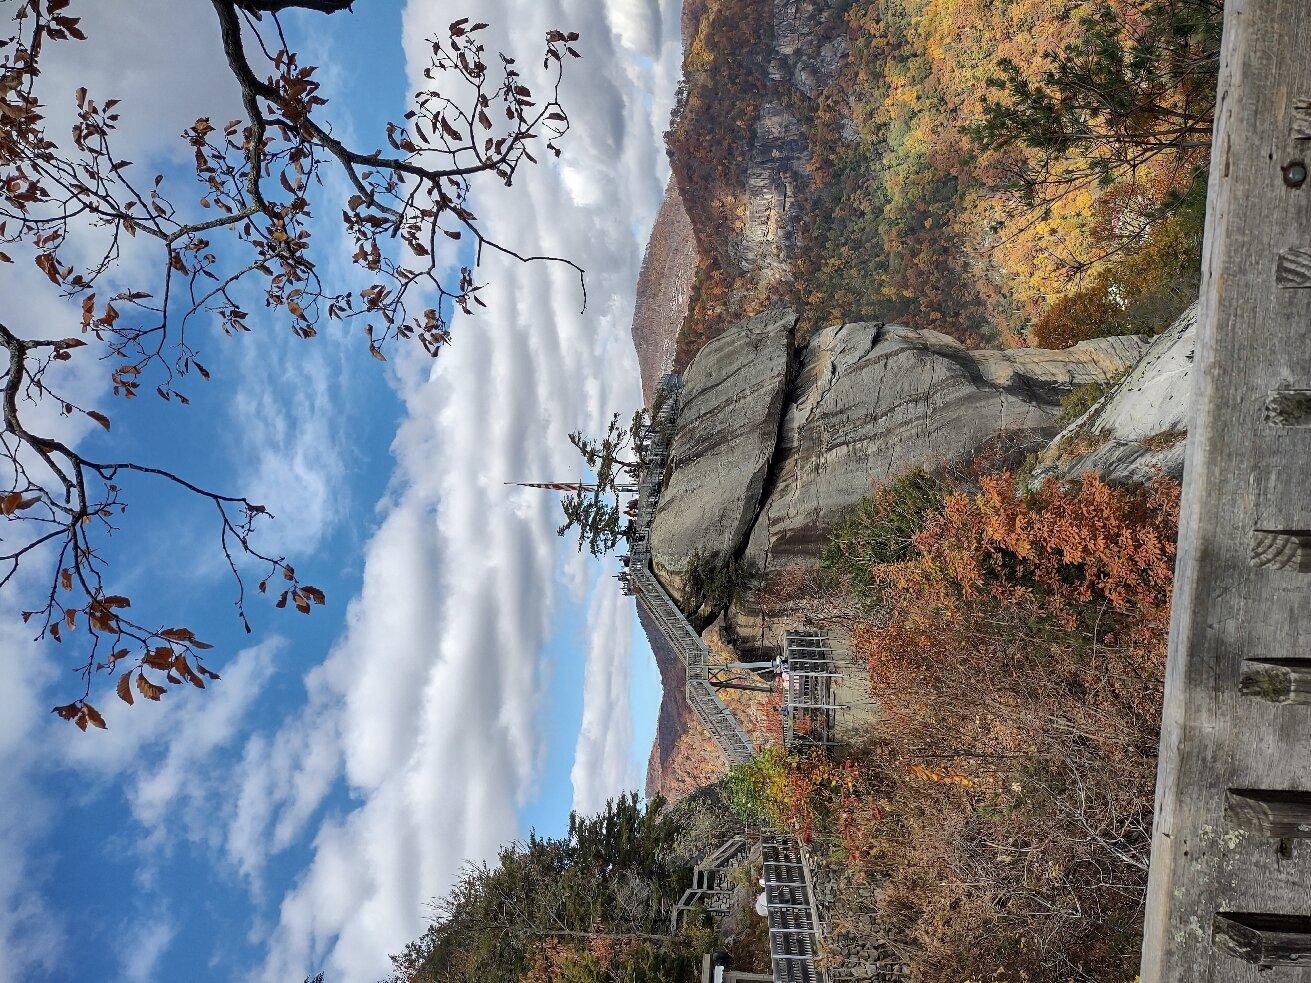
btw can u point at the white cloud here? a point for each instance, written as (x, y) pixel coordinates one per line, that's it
(601, 756)
(286, 434)
(141, 949)
(432, 700)
(184, 778)
(31, 934)
(159, 57)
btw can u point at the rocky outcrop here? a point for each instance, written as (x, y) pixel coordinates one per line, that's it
(778, 179)
(733, 397)
(872, 401)
(663, 287)
(1139, 427)
(774, 445)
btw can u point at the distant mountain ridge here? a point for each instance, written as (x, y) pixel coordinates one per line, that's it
(663, 287)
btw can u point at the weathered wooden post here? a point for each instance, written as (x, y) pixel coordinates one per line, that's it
(1230, 883)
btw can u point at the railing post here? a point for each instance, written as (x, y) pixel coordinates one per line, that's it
(1226, 897)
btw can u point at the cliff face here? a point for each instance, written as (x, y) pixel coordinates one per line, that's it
(872, 401)
(775, 442)
(732, 400)
(801, 65)
(662, 290)
(1138, 428)
(741, 148)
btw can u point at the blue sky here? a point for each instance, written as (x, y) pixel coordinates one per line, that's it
(471, 677)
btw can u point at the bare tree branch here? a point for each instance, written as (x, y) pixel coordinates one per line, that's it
(260, 178)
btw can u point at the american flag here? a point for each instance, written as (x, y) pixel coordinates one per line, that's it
(561, 486)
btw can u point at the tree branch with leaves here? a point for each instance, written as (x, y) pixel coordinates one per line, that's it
(74, 206)
(595, 511)
(1133, 90)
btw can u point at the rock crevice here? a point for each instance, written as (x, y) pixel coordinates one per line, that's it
(774, 443)
(728, 424)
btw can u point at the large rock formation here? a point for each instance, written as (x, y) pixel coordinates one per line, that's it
(872, 401)
(1139, 427)
(733, 394)
(773, 445)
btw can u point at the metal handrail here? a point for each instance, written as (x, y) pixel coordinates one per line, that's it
(725, 728)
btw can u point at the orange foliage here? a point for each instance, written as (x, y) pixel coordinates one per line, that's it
(1095, 542)
(552, 959)
(709, 140)
(907, 218)
(1018, 660)
(1076, 317)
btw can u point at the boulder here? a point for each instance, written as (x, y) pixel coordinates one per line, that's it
(1139, 427)
(727, 426)
(773, 445)
(872, 401)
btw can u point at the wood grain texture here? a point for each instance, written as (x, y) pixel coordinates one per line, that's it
(1241, 475)
(1282, 549)
(1273, 813)
(1264, 940)
(1288, 408)
(1293, 269)
(1302, 120)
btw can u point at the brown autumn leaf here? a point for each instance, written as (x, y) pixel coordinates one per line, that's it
(99, 417)
(177, 634)
(66, 579)
(183, 668)
(49, 267)
(302, 603)
(148, 689)
(124, 688)
(15, 502)
(314, 594)
(93, 715)
(159, 658)
(67, 712)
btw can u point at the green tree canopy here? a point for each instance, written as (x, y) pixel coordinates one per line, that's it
(596, 513)
(590, 906)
